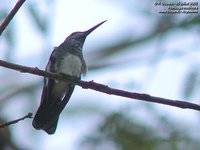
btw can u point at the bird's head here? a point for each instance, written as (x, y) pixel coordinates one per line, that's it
(77, 39)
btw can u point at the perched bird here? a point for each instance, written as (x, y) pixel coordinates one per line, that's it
(66, 59)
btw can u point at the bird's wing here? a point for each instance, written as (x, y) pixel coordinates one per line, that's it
(66, 98)
(42, 113)
(52, 108)
(49, 83)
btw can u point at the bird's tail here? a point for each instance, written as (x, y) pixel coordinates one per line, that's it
(43, 120)
(47, 115)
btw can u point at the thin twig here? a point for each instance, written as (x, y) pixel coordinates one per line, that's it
(29, 115)
(101, 87)
(11, 15)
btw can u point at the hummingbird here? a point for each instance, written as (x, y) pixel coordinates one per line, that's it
(66, 59)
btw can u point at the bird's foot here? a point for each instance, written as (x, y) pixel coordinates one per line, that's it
(69, 77)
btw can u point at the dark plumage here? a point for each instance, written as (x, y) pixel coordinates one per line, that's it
(65, 59)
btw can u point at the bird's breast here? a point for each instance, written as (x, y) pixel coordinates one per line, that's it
(71, 65)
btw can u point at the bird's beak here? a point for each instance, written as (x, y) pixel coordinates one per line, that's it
(93, 28)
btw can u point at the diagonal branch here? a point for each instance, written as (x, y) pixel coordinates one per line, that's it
(101, 87)
(11, 15)
(29, 115)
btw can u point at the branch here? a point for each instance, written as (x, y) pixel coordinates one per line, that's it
(11, 15)
(29, 115)
(102, 88)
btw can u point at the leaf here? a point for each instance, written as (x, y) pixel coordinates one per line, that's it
(39, 20)
(191, 83)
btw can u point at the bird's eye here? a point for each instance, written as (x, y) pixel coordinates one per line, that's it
(75, 43)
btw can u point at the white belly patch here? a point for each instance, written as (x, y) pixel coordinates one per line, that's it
(71, 65)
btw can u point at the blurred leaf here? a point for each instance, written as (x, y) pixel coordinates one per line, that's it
(39, 20)
(191, 82)
(10, 39)
(163, 25)
(192, 20)
(8, 35)
(117, 47)
(123, 133)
